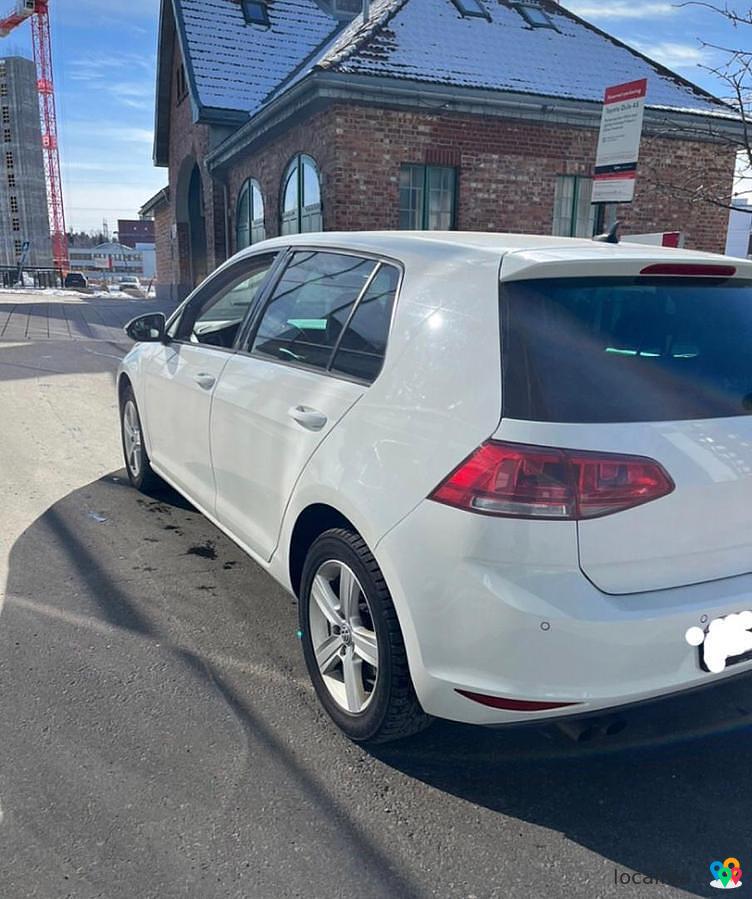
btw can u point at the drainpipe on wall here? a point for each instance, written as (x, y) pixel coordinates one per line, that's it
(366, 10)
(227, 219)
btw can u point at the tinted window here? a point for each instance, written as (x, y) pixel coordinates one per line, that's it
(310, 307)
(215, 316)
(362, 347)
(621, 349)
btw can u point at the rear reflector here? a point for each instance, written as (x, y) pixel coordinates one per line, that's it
(690, 269)
(513, 705)
(520, 481)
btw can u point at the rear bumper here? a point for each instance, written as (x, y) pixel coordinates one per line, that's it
(500, 607)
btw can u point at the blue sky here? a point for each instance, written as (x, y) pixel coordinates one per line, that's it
(104, 58)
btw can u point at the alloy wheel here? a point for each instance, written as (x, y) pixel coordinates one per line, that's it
(132, 438)
(343, 636)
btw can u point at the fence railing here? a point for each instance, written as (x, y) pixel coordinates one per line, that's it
(42, 277)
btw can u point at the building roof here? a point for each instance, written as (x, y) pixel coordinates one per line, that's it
(428, 40)
(236, 66)
(234, 70)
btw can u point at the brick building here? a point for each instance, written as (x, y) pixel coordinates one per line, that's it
(277, 116)
(135, 231)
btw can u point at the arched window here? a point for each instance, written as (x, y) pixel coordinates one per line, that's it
(249, 227)
(301, 197)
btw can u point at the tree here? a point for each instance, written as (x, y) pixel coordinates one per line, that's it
(734, 75)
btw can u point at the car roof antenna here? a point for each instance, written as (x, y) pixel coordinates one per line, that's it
(610, 236)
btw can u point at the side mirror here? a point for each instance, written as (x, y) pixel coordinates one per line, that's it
(147, 328)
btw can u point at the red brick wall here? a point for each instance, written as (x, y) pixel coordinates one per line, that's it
(507, 172)
(163, 245)
(317, 138)
(191, 140)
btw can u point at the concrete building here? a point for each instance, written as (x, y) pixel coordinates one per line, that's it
(282, 116)
(106, 262)
(739, 240)
(23, 191)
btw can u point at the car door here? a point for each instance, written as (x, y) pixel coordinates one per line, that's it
(302, 367)
(181, 376)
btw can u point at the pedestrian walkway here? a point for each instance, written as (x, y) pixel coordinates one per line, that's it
(42, 317)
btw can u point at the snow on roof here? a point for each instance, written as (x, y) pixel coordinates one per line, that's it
(236, 66)
(428, 40)
(239, 67)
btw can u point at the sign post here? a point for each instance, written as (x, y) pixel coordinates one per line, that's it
(619, 142)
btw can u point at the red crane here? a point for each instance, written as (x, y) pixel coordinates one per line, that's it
(38, 12)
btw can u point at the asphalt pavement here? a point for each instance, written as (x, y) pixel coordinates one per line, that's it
(159, 738)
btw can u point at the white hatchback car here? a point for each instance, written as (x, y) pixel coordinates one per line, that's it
(507, 477)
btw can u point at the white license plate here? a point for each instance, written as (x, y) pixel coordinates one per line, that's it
(725, 641)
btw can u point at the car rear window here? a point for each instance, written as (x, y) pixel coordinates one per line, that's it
(626, 349)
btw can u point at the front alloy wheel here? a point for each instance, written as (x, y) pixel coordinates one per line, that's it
(132, 448)
(137, 464)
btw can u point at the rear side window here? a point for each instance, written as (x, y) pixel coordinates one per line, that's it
(330, 311)
(626, 349)
(363, 344)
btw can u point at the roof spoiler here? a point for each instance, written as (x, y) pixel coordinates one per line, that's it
(610, 236)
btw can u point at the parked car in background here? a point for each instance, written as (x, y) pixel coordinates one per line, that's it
(508, 478)
(129, 282)
(75, 281)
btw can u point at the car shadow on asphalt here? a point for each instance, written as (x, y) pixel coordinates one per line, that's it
(663, 798)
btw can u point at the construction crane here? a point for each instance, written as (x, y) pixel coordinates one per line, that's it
(37, 11)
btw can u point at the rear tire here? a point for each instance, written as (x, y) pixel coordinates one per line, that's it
(352, 642)
(137, 464)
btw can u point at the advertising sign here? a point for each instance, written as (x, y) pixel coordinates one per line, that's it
(619, 142)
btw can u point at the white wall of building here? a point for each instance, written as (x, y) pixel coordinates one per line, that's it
(739, 240)
(149, 260)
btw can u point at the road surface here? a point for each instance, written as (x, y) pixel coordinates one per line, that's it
(160, 737)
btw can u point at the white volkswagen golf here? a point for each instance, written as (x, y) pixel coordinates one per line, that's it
(506, 477)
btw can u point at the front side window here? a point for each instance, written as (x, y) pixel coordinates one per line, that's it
(249, 215)
(626, 349)
(214, 316)
(301, 197)
(427, 197)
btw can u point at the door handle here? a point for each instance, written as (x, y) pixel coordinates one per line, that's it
(309, 418)
(205, 380)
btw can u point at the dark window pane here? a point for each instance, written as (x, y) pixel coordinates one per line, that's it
(440, 198)
(411, 197)
(627, 349)
(310, 306)
(361, 350)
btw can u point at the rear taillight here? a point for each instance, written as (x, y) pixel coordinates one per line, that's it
(522, 481)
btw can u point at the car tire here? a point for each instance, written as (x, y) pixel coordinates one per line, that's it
(137, 464)
(345, 680)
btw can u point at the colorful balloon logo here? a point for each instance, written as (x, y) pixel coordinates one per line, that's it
(726, 874)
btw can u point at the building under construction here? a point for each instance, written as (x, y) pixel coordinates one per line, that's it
(23, 193)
